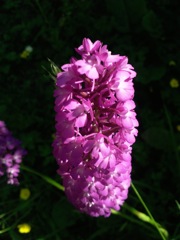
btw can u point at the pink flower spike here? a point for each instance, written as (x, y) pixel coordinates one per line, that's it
(95, 128)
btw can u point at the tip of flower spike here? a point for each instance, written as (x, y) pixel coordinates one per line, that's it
(88, 46)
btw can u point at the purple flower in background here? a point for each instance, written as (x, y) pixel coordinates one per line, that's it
(11, 154)
(95, 128)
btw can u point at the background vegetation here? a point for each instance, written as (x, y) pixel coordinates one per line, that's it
(146, 32)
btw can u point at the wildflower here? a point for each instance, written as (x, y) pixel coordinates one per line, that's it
(178, 127)
(95, 128)
(27, 51)
(172, 63)
(25, 193)
(24, 228)
(11, 154)
(174, 83)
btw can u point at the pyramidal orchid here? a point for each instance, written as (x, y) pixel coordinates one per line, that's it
(95, 128)
(11, 154)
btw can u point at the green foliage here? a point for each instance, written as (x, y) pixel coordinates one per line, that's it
(63, 214)
(145, 31)
(158, 138)
(151, 24)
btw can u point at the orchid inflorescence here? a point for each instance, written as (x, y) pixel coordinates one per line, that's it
(95, 128)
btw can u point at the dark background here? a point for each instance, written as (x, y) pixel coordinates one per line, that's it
(144, 30)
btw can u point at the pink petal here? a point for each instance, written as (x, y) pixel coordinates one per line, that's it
(92, 73)
(81, 121)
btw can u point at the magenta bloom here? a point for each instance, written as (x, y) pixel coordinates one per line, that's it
(11, 154)
(95, 128)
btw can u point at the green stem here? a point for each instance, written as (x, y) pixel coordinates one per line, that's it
(139, 214)
(5, 230)
(44, 177)
(42, 13)
(129, 218)
(158, 227)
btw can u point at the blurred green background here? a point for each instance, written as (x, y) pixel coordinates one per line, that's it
(144, 30)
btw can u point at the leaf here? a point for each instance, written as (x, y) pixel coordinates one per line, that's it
(158, 138)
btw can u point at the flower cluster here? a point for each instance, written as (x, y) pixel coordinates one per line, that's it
(11, 154)
(26, 53)
(95, 128)
(174, 83)
(24, 193)
(24, 228)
